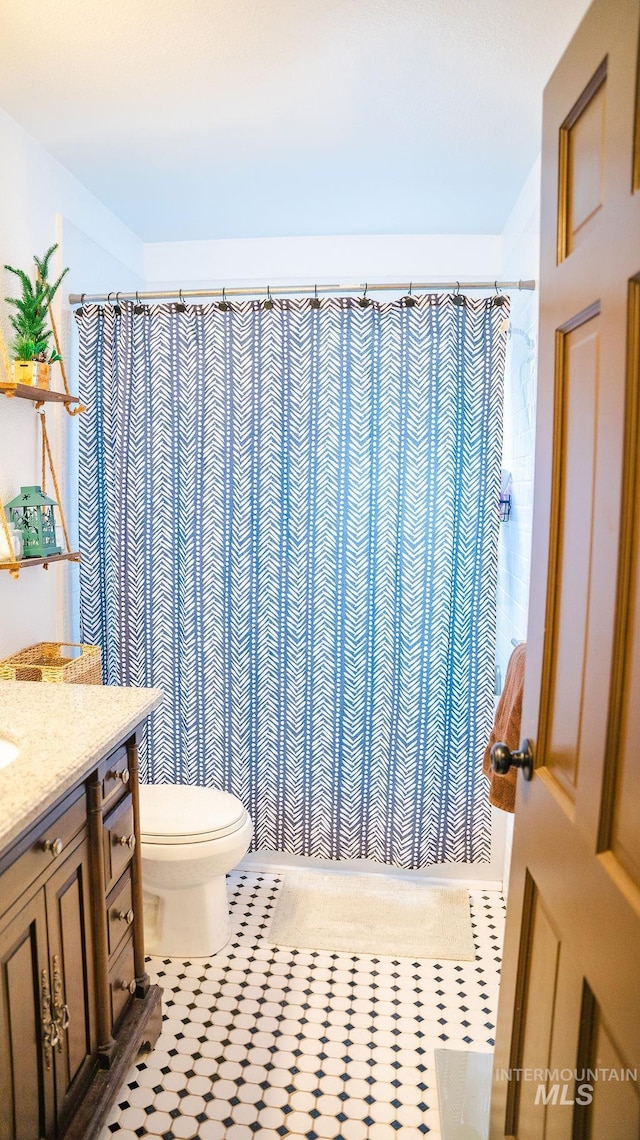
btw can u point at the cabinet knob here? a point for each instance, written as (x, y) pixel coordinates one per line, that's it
(130, 986)
(54, 846)
(124, 775)
(125, 916)
(127, 841)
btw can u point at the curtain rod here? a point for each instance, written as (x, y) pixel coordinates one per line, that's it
(293, 290)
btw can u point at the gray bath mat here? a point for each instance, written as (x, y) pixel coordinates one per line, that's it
(372, 915)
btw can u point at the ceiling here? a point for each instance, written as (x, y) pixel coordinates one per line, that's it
(239, 118)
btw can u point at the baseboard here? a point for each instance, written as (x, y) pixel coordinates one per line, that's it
(467, 875)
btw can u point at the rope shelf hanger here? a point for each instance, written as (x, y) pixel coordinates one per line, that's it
(46, 459)
(12, 565)
(46, 449)
(69, 410)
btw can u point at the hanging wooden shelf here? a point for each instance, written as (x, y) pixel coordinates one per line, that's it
(15, 566)
(38, 395)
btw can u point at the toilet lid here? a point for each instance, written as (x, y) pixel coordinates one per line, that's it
(182, 813)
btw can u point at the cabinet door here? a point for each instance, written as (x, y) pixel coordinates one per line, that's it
(71, 959)
(27, 1038)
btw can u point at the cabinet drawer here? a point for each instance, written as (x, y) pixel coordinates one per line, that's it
(121, 982)
(115, 777)
(119, 913)
(46, 847)
(119, 840)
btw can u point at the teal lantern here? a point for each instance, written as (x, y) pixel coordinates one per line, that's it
(32, 514)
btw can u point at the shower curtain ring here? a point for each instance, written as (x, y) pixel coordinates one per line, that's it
(498, 300)
(116, 308)
(364, 301)
(222, 305)
(269, 302)
(138, 308)
(458, 298)
(180, 306)
(409, 301)
(315, 300)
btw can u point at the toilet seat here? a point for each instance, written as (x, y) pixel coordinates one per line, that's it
(182, 813)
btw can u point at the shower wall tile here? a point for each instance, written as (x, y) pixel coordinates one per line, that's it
(520, 260)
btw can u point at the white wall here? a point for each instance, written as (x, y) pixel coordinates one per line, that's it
(322, 260)
(42, 203)
(93, 268)
(521, 251)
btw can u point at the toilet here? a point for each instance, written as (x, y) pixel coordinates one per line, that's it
(190, 838)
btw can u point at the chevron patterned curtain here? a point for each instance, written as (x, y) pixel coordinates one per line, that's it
(289, 521)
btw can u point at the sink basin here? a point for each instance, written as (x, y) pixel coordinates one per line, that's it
(8, 752)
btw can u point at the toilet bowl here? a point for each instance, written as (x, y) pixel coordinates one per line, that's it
(190, 838)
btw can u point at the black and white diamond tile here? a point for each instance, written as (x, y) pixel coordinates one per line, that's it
(268, 1044)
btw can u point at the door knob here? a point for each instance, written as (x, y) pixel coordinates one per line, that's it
(502, 759)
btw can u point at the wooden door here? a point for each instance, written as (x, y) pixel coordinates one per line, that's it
(570, 995)
(27, 1037)
(71, 962)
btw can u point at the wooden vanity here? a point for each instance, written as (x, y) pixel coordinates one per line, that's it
(76, 1005)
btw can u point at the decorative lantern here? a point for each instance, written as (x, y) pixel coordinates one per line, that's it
(32, 514)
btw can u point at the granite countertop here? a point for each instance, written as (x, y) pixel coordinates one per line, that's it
(62, 731)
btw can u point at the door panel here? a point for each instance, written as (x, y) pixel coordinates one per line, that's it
(540, 959)
(576, 448)
(611, 1100)
(26, 1068)
(582, 178)
(546, 1028)
(636, 140)
(71, 956)
(620, 831)
(569, 995)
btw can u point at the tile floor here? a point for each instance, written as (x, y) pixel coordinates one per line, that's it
(269, 1044)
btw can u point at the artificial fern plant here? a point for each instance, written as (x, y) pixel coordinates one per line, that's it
(29, 322)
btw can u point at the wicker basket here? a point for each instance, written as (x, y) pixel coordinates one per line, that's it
(47, 662)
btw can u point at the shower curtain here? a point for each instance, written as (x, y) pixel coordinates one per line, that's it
(288, 522)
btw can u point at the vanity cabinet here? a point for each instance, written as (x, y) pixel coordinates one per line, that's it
(75, 1001)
